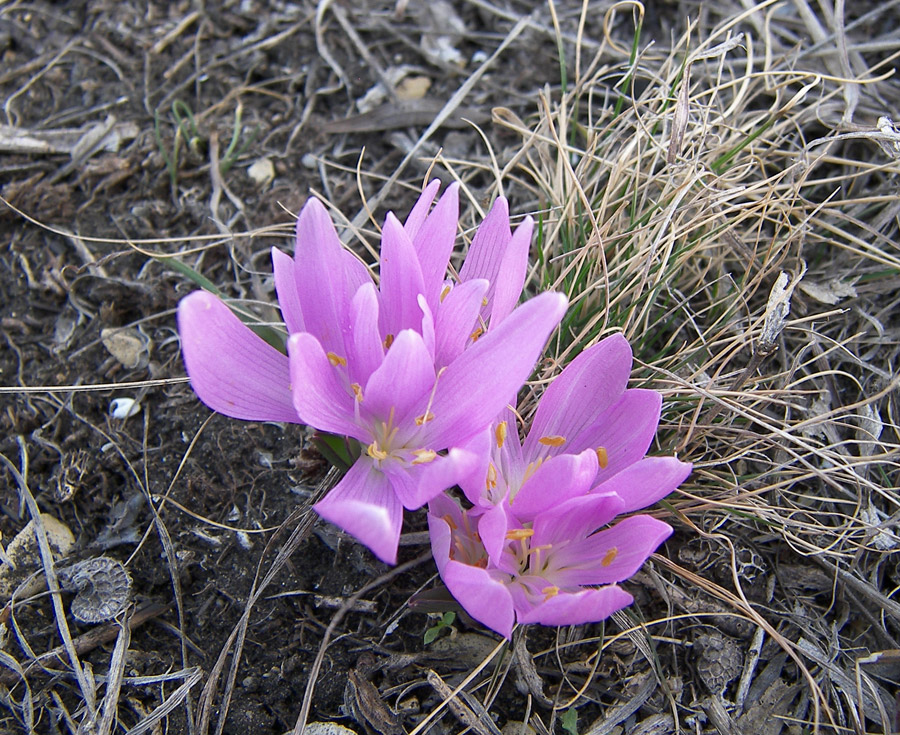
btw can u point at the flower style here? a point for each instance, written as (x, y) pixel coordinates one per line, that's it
(531, 542)
(415, 369)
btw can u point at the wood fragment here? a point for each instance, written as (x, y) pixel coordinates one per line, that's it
(406, 114)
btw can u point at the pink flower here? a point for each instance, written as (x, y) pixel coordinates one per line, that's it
(406, 368)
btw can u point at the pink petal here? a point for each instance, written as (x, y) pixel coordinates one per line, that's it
(508, 283)
(420, 209)
(484, 598)
(473, 389)
(588, 386)
(364, 505)
(286, 290)
(487, 250)
(418, 484)
(365, 349)
(399, 389)
(457, 319)
(575, 519)
(401, 280)
(320, 397)
(233, 370)
(587, 606)
(625, 430)
(327, 277)
(611, 555)
(434, 241)
(646, 482)
(555, 481)
(493, 526)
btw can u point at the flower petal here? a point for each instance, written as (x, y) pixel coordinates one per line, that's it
(473, 389)
(418, 484)
(577, 608)
(433, 243)
(611, 555)
(232, 370)
(555, 481)
(646, 482)
(624, 431)
(487, 250)
(401, 280)
(575, 519)
(588, 386)
(327, 277)
(365, 349)
(420, 209)
(456, 320)
(508, 283)
(320, 397)
(286, 290)
(364, 505)
(398, 390)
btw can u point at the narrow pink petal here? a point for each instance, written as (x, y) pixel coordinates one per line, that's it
(578, 608)
(427, 330)
(555, 481)
(473, 389)
(327, 277)
(399, 389)
(320, 397)
(364, 505)
(418, 484)
(457, 319)
(484, 598)
(575, 519)
(493, 526)
(365, 348)
(286, 290)
(611, 555)
(232, 370)
(507, 284)
(588, 386)
(420, 209)
(434, 241)
(624, 431)
(401, 280)
(488, 246)
(473, 484)
(646, 482)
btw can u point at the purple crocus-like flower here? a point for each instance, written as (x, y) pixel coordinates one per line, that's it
(410, 368)
(589, 434)
(532, 536)
(558, 569)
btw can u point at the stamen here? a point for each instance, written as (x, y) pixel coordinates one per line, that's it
(552, 441)
(602, 457)
(476, 334)
(491, 480)
(444, 291)
(388, 341)
(500, 434)
(449, 521)
(532, 468)
(609, 557)
(549, 592)
(484, 301)
(376, 452)
(424, 456)
(336, 360)
(424, 418)
(519, 534)
(357, 391)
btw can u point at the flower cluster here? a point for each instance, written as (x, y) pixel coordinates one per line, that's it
(422, 371)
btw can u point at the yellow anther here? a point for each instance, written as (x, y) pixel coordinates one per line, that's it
(549, 592)
(519, 534)
(484, 301)
(388, 341)
(335, 359)
(450, 522)
(424, 418)
(491, 481)
(602, 457)
(552, 441)
(357, 391)
(532, 468)
(424, 456)
(609, 557)
(444, 291)
(476, 334)
(500, 434)
(376, 452)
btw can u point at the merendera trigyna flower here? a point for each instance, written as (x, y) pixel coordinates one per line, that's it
(403, 368)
